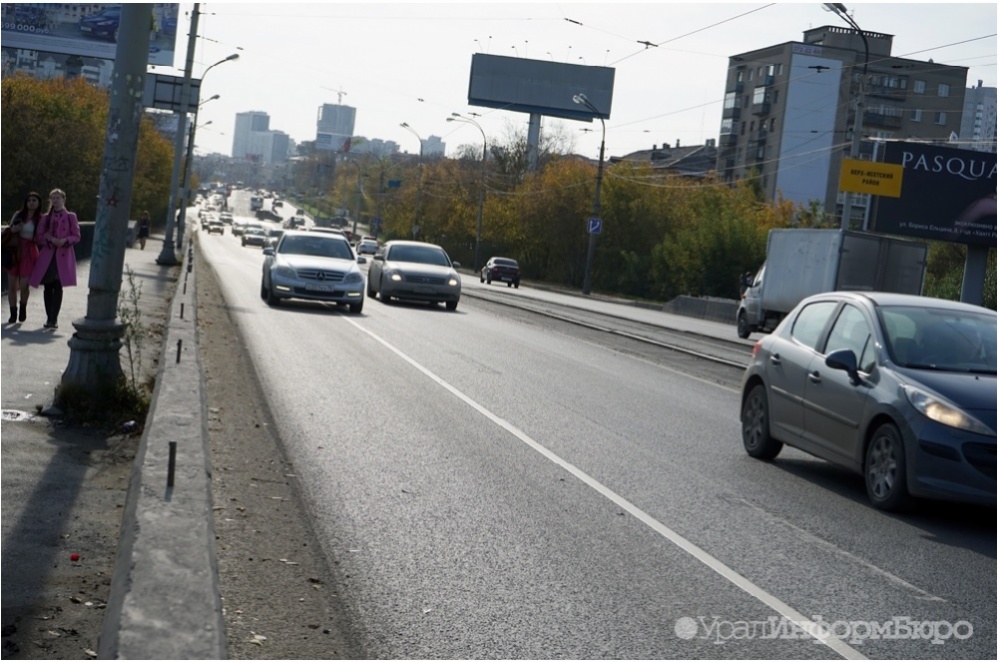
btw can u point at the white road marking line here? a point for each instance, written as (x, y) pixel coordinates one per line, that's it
(727, 573)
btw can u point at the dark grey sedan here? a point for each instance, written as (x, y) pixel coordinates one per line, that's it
(901, 389)
(414, 271)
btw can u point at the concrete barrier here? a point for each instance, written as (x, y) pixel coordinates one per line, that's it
(706, 308)
(86, 246)
(165, 601)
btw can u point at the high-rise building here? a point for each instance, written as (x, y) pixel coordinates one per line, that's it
(789, 111)
(979, 119)
(245, 145)
(334, 127)
(433, 146)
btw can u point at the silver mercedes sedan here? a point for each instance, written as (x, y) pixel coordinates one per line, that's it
(312, 266)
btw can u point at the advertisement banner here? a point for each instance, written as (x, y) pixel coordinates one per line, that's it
(87, 30)
(947, 194)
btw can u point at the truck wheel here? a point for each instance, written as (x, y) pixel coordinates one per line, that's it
(742, 326)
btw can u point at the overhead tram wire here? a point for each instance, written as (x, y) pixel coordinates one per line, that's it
(688, 34)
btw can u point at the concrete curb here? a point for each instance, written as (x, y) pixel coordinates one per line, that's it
(165, 600)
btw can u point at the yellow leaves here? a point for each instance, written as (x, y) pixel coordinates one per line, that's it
(53, 136)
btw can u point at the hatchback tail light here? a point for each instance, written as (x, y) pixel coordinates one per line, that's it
(756, 348)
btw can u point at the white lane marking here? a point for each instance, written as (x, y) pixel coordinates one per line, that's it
(921, 594)
(822, 635)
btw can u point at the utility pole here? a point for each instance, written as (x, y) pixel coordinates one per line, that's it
(94, 367)
(859, 104)
(167, 256)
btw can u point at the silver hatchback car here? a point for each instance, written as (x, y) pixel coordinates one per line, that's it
(901, 389)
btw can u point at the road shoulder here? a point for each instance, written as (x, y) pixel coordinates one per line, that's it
(278, 593)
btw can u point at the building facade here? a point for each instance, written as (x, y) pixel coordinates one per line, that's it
(247, 145)
(979, 119)
(789, 111)
(334, 127)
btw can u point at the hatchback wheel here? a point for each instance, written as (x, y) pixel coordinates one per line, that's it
(451, 305)
(885, 470)
(757, 439)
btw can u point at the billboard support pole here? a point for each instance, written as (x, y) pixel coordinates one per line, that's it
(974, 275)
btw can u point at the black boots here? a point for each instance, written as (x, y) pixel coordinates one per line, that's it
(13, 315)
(24, 312)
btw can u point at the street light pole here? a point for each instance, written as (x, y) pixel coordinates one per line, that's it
(859, 108)
(592, 241)
(482, 185)
(357, 205)
(188, 161)
(167, 257)
(420, 177)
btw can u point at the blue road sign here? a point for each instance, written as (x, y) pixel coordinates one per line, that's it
(594, 225)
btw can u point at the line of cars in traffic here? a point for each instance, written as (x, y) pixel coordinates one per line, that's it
(900, 389)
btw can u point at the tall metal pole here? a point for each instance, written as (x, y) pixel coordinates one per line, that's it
(94, 367)
(357, 204)
(482, 185)
(420, 178)
(188, 163)
(167, 255)
(592, 240)
(859, 106)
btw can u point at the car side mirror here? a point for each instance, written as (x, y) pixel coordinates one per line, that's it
(844, 359)
(362, 259)
(268, 251)
(456, 265)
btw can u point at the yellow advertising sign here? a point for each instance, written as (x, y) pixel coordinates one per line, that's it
(885, 179)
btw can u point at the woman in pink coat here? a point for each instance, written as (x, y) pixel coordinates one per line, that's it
(56, 235)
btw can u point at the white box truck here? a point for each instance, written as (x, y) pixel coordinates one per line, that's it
(803, 262)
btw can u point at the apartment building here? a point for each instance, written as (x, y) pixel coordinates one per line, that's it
(979, 119)
(789, 111)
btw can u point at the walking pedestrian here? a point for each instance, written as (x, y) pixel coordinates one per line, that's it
(57, 234)
(143, 230)
(23, 254)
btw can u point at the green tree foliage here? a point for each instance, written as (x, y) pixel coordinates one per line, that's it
(946, 269)
(53, 137)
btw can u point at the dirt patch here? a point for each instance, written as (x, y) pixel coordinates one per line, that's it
(277, 592)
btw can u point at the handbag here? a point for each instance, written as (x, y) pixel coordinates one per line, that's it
(8, 239)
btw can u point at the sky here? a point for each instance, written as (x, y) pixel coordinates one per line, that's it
(410, 62)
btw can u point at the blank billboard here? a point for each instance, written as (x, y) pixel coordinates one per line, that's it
(539, 86)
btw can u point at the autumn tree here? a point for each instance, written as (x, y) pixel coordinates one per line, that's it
(53, 137)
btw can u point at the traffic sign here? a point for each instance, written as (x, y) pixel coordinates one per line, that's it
(594, 225)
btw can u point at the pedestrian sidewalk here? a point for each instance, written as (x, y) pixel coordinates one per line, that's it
(48, 468)
(61, 519)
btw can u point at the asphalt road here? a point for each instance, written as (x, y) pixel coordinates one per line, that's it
(496, 485)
